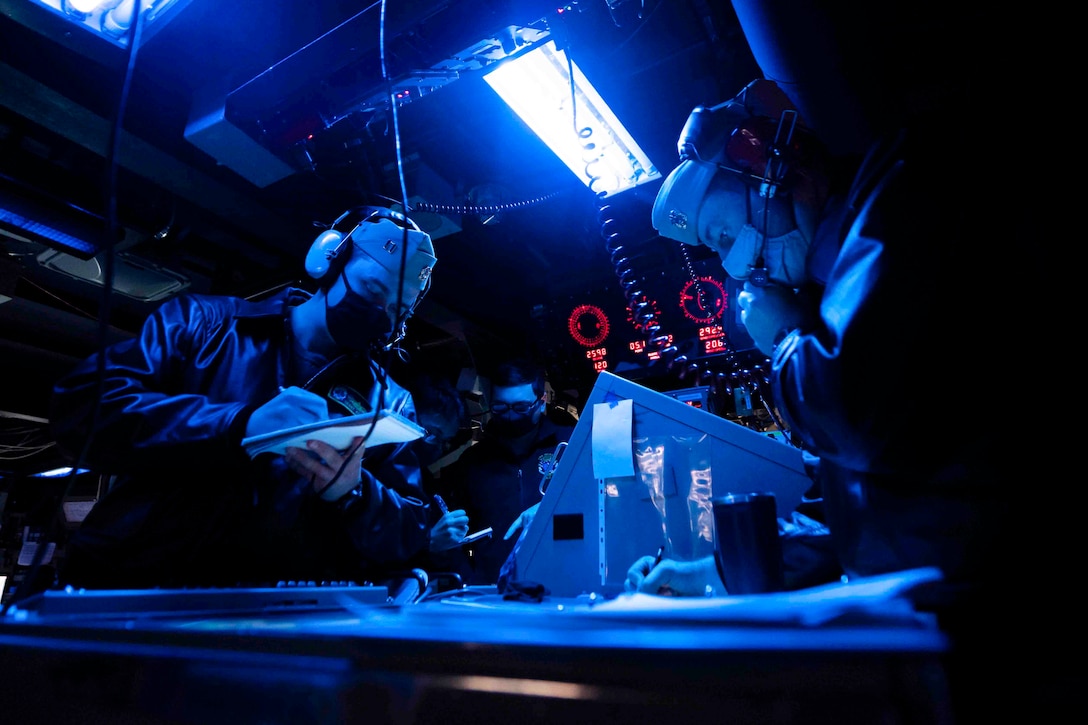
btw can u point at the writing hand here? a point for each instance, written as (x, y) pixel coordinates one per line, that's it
(636, 575)
(332, 473)
(449, 530)
(675, 578)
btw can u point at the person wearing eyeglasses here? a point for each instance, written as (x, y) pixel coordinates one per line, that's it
(500, 480)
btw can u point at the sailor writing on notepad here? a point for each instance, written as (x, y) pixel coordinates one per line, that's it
(165, 415)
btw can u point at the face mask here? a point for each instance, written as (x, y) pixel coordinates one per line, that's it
(355, 322)
(784, 256)
(511, 425)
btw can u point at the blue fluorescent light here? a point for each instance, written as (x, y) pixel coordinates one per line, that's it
(589, 138)
(31, 214)
(58, 472)
(36, 231)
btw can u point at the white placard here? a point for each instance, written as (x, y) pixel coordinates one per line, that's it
(612, 456)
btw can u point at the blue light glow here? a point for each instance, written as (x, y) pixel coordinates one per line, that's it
(54, 237)
(576, 124)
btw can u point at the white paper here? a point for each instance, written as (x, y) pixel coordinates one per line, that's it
(338, 433)
(611, 439)
(884, 597)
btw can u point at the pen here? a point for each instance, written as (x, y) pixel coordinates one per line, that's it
(441, 504)
(657, 559)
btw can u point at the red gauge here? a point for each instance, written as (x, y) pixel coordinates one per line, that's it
(588, 325)
(703, 300)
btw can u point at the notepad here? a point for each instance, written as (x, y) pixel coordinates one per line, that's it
(391, 427)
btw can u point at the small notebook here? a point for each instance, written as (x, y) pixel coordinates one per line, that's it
(391, 427)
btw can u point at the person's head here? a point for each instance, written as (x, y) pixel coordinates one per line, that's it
(751, 185)
(359, 263)
(517, 398)
(441, 410)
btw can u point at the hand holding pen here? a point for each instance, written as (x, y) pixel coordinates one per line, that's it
(641, 569)
(449, 531)
(658, 575)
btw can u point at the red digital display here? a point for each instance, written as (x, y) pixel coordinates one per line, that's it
(689, 321)
(711, 332)
(597, 357)
(713, 339)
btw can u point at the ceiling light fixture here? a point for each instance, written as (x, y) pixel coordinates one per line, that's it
(133, 277)
(111, 19)
(588, 138)
(31, 215)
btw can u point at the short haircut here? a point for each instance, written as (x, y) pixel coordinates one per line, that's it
(519, 371)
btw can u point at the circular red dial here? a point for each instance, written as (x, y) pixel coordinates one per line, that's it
(588, 325)
(703, 300)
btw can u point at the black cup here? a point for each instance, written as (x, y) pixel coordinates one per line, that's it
(746, 546)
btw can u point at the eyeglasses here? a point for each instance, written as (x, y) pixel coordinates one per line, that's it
(520, 407)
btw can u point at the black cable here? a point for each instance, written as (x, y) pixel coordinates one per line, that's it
(116, 129)
(622, 253)
(380, 369)
(397, 322)
(483, 209)
(616, 242)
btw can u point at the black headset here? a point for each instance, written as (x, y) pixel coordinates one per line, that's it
(332, 248)
(761, 150)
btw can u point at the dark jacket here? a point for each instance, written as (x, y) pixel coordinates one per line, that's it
(494, 486)
(879, 386)
(188, 506)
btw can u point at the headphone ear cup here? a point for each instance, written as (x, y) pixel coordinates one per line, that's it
(324, 252)
(754, 148)
(751, 145)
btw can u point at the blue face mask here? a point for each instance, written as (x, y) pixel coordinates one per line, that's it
(785, 256)
(356, 323)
